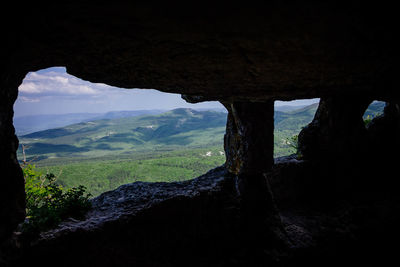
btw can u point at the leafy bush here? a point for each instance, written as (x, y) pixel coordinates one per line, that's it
(48, 203)
(368, 119)
(293, 142)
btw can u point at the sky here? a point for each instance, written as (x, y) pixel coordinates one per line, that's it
(54, 91)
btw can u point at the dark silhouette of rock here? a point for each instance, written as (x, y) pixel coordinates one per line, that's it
(199, 221)
(337, 129)
(249, 137)
(12, 190)
(337, 204)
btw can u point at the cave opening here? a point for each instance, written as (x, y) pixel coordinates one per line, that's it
(101, 137)
(290, 117)
(374, 110)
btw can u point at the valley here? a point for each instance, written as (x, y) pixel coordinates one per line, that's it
(176, 145)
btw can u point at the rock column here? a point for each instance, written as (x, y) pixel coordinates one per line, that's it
(336, 143)
(384, 131)
(337, 130)
(12, 191)
(383, 149)
(249, 138)
(249, 143)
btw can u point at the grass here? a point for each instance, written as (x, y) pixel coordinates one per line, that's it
(103, 173)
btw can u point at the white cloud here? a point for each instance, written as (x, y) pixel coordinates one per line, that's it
(29, 88)
(51, 91)
(29, 100)
(55, 83)
(62, 80)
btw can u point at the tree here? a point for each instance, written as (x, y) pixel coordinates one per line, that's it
(48, 203)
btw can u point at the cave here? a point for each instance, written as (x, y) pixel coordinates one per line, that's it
(101, 137)
(337, 204)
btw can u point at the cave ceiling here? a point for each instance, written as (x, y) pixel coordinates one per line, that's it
(282, 50)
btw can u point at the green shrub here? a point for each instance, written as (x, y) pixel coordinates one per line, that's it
(293, 143)
(367, 120)
(48, 203)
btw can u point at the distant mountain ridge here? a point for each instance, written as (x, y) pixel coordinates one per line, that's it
(127, 113)
(293, 120)
(176, 128)
(286, 108)
(34, 123)
(375, 109)
(122, 133)
(175, 145)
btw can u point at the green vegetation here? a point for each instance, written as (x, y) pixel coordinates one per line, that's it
(375, 109)
(287, 127)
(101, 155)
(48, 203)
(173, 146)
(367, 120)
(106, 173)
(293, 143)
(34, 123)
(174, 130)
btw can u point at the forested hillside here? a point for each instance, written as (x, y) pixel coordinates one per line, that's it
(176, 145)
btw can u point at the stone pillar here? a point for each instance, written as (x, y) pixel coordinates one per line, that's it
(384, 130)
(337, 129)
(249, 146)
(384, 143)
(249, 138)
(12, 190)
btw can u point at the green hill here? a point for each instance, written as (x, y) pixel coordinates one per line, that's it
(288, 124)
(176, 129)
(171, 130)
(103, 154)
(291, 120)
(374, 109)
(175, 145)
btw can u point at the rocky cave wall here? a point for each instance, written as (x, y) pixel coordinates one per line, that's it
(245, 56)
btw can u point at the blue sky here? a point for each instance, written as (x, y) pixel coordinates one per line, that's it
(54, 91)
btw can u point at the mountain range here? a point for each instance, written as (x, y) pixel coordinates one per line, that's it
(177, 145)
(126, 132)
(33, 123)
(176, 128)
